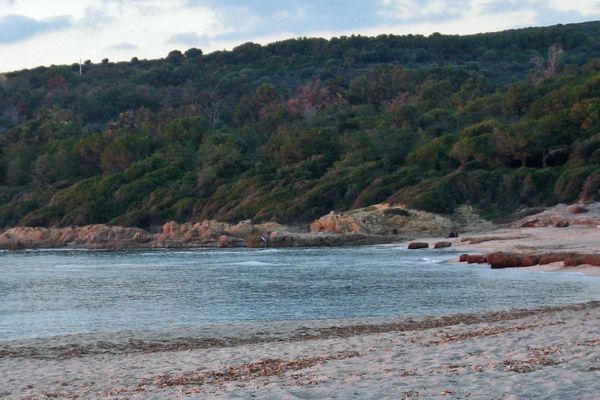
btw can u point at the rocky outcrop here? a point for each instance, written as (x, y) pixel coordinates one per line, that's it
(384, 219)
(205, 231)
(381, 223)
(32, 238)
(91, 236)
(217, 234)
(115, 237)
(105, 236)
(336, 223)
(175, 235)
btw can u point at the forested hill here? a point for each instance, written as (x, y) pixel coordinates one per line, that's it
(292, 130)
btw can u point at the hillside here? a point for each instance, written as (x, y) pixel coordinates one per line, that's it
(291, 130)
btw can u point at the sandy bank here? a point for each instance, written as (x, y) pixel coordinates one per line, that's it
(547, 353)
(549, 240)
(559, 239)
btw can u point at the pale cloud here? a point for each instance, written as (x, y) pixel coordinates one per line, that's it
(413, 10)
(101, 28)
(123, 46)
(470, 22)
(583, 7)
(407, 10)
(16, 28)
(188, 38)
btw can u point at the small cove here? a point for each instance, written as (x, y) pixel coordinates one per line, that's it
(47, 293)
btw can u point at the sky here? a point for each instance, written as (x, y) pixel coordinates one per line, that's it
(45, 32)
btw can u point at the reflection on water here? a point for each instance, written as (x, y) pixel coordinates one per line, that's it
(45, 293)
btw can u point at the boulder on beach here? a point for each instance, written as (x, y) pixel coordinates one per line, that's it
(577, 209)
(510, 260)
(473, 258)
(551, 258)
(476, 259)
(224, 241)
(528, 260)
(418, 245)
(442, 245)
(502, 260)
(575, 260)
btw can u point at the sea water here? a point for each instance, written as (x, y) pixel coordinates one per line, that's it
(47, 293)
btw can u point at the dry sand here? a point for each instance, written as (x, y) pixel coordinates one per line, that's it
(541, 354)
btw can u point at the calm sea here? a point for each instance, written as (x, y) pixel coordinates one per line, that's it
(46, 293)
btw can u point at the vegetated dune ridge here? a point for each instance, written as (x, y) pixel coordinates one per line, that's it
(533, 354)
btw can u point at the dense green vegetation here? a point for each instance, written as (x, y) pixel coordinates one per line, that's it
(292, 130)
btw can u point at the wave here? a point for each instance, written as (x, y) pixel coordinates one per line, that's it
(437, 260)
(254, 263)
(268, 250)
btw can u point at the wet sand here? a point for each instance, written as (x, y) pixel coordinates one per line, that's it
(544, 353)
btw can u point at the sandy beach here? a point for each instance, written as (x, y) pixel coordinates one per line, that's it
(536, 354)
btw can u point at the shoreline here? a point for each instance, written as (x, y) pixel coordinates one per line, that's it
(426, 357)
(236, 334)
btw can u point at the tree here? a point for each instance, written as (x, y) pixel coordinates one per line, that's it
(514, 144)
(193, 53)
(175, 57)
